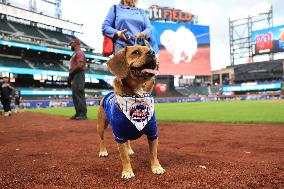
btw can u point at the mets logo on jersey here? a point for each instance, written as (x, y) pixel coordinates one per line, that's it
(139, 112)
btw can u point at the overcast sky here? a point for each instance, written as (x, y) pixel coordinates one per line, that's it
(214, 13)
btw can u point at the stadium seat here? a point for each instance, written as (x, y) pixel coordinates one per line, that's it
(4, 27)
(60, 37)
(46, 64)
(196, 90)
(30, 33)
(27, 30)
(13, 62)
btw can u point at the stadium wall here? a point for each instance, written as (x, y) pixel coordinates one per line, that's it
(94, 102)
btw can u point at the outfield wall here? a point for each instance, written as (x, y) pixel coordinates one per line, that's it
(95, 102)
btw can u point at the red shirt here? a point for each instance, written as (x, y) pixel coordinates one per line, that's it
(78, 56)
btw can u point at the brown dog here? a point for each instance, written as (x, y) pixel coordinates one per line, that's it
(134, 68)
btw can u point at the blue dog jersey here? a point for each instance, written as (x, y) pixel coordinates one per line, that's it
(130, 118)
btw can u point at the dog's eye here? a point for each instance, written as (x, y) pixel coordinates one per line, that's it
(136, 52)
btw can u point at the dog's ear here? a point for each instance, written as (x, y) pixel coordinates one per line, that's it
(118, 65)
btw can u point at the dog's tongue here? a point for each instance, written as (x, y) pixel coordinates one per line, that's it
(155, 72)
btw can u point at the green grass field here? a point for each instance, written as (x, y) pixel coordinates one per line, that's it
(226, 112)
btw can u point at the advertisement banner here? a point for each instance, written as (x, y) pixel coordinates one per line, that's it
(26, 92)
(161, 88)
(158, 13)
(184, 49)
(60, 103)
(39, 18)
(47, 49)
(268, 40)
(251, 87)
(30, 71)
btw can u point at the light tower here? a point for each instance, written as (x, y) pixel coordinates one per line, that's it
(58, 9)
(33, 5)
(55, 3)
(241, 26)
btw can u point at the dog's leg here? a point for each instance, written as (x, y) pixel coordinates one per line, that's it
(155, 164)
(102, 125)
(127, 172)
(129, 149)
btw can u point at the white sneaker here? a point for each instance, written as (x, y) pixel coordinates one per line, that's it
(6, 114)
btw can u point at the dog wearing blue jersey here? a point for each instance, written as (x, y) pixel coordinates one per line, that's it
(129, 110)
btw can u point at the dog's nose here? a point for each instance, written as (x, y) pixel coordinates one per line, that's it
(150, 53)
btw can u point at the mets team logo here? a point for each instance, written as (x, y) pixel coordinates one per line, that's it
(139, 112)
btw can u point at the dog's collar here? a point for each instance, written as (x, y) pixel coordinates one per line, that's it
(134, 96)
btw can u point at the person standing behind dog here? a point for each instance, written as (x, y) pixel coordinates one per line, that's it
(6, 96)
(77, 80)
(128, 23)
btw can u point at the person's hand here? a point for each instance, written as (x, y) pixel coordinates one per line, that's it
(141, 35)
(121, 35)
(68, 80)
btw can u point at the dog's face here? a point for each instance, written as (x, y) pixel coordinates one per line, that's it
(137, 62)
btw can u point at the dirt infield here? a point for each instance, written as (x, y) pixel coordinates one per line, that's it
(42, 151)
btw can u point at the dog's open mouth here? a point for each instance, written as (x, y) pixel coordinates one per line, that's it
(147, 70)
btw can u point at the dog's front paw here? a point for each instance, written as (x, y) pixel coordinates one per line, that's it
(103, 154)
(158, 170)
(127, 174)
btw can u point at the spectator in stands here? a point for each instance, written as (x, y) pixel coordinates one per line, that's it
(6, 96)
(123, 29)
(77, 80)
(4, 37)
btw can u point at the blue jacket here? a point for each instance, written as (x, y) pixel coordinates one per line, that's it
(122, 128)
(131, 18)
